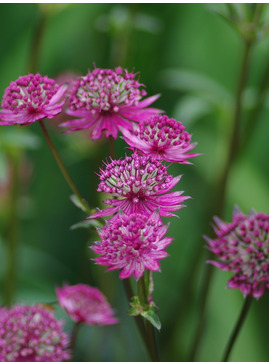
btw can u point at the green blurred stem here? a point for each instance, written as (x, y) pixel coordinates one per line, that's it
(63, 169)
(74, 336)
(36, 43)
(252, 121)
(237, 328)
(150, 334)
(221, 196)
(12, 233)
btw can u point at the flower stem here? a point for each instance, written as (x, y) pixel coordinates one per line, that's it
(63, 169)
(36, 44)
(74, 337)
(12, 230)
(150, 334)
(138, 319)
(221, 195)
(237, 328)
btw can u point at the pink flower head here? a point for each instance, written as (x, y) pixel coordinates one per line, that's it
(243, 248)
(31, 333)
(161, 138)
(105, 100)
(139, 185)
(85, 304)
(31, 98)
(132, 243)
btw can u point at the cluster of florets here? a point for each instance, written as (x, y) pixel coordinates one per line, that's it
(31, 98)
(243, 248)
(161, 138)
(85, 304)
(132, 243)
(31, 333)
(105, 101)
(106, 90)
(139, 185)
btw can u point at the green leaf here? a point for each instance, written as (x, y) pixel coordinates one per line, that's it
(148, 312)
(152, 317)
(189, 81)
(12, 138)
(85, 224)
(136, 307)
(76, 201)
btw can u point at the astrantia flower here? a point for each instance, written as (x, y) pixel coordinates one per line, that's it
(85, 304)
(31, 98)
(243, 248)
(139, 184)
(31, 333)
(161, 138)
(132, 243)
(105, 100)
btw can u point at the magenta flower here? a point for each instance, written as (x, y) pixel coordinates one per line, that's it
(161, 138)
(243, 248)
(132, 243)
(105, 100)
(31, 333)
(139, 185)
(31, 98)
(85, 304)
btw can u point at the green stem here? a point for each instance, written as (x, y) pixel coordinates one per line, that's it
(221, 196)
(74, 338)
(150, 333)
(12, 232)
(237, 328)
(63, 169)
(253, 117)
(36, 44)
(138, 319)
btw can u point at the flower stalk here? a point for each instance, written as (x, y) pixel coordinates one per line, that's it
(73, 340)
(63, 168)
(221, 194)
(237, 328)
(143, 294)
(12, 232)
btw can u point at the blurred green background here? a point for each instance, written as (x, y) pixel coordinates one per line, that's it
(193, 57)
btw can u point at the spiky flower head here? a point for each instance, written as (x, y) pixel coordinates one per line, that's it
(132, 243)
(107, 99)
(243, 248)
(85, 304)
(162, 138)
(139, 185)
(31, 98)
(31, 333)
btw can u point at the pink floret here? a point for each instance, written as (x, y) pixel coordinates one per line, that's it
(105, 100)
(243, 248)
(162, 138)
(32, 334)
(86, 305)
(132, 243)
(139, 184)
(31, 98)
